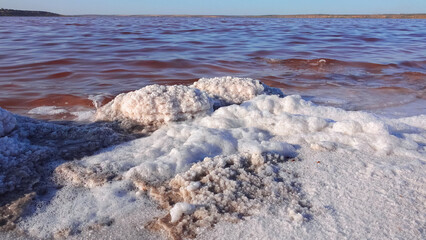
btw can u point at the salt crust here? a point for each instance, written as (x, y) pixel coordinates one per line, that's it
(25, 152)
(10, 213)
(7, 122)
(233, 90)
(228, 188)
(155, 105)
(353, 194)
(266, 123)
(263, 124)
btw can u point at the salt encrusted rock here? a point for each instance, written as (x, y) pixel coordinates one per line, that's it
(225, 188)
(7, 122)
(233, 90)
(155, 105)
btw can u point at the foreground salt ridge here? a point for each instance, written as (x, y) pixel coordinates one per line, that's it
(266, 123)
(263, 124)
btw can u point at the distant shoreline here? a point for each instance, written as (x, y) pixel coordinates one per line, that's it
(355, 16)
(25, 13)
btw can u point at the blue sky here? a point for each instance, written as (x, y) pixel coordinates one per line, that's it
(224, 7)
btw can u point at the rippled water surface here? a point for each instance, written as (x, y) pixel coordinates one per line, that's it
(65, 63)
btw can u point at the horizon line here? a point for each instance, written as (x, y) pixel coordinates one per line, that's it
(325, 15)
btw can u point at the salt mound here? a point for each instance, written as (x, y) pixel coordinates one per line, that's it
(226, 188)
(7, 122)
(156, 104)
(233, 90)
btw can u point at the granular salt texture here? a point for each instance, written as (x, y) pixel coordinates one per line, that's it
(155, 105)
(81, 176)
(11, 212)
(7, 122)
(265, 123)
(20, 164)
(369, 150)
(25, 153)
(226, 188)
(233, 90)
(297, 121)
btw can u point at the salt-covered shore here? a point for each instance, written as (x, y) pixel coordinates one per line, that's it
(224, 158)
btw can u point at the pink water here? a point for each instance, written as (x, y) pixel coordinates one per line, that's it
(376, 65)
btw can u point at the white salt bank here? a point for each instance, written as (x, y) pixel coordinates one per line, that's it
(264, 167)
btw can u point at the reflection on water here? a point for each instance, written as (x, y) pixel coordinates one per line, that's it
(368, 64)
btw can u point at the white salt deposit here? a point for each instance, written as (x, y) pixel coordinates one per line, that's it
(229, 188)
(76, 113)
(266, 123)
(233, 90)
(7, 122)
(47, 110)
(353, 195)
(180, 209)
(363, 175)
(155, 105)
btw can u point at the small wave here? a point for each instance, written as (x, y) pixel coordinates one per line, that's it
(63, 61)
(62, 100)
(371, 39)
(76, 24)
(326, 63)
(176, 63)
(414, 64)
(59, 75)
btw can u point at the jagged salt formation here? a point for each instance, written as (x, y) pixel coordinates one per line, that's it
(226, 188)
